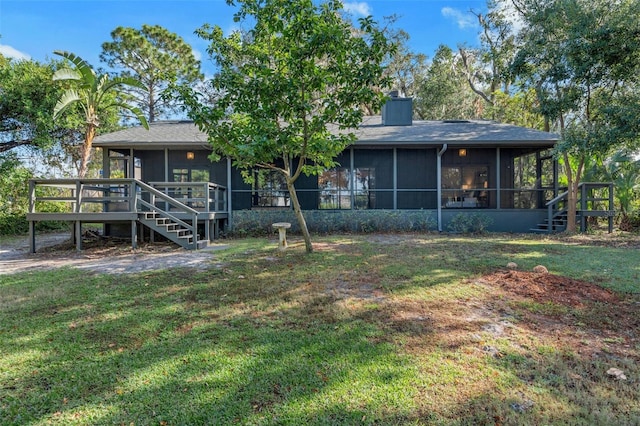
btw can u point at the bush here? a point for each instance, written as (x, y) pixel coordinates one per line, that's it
(469, 223)
(13, 224)
(258, 222)
(631, 222)
(17, 224)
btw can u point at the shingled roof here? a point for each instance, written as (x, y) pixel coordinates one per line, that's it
(185, 134)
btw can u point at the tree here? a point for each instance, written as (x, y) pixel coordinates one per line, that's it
(582, 58)
(486, 69)
(95, 94)
(291, 91)
(405, 68)
(156, 57)
(444, 92)
(27, 97)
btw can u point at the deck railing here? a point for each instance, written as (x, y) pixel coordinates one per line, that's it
(203, 196)
(595, 199)
(120, 195)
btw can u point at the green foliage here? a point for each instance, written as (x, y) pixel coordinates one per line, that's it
(518, 108)
(96, 95)
(258, 222)
(444, 93)
(14, 187)
(156, 57)
(581, 57)
(13, 224)
(396, 330)
(470, 223)
(405, 68)
(28, 98)
(290, 89)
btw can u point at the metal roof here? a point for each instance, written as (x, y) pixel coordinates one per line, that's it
(186, 135)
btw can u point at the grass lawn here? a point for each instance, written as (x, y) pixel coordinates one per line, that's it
(377, 329)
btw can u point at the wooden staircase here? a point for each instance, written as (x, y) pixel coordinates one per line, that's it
(558, 224)
(589, 204)
(164, 220)
(173, 230)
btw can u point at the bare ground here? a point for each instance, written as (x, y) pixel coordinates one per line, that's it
(99, 256)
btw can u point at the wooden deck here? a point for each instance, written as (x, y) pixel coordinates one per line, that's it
(175, 210)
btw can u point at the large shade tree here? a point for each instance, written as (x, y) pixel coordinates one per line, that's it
(291, 88)
(95, 94)
(157, 58)
(583, 59)
(27, 97)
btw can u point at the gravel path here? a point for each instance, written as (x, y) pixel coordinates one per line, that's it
(15, 257)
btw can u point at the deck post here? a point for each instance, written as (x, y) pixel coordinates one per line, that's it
(78, 235)
(583, 208)
(32, 236)
(611, 208)
(134, 234)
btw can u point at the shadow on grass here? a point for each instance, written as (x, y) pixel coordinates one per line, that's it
(274, 339)
(187, 348)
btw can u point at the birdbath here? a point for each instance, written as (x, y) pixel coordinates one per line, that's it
(282, 234)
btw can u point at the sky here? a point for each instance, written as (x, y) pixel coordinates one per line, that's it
(33, 29)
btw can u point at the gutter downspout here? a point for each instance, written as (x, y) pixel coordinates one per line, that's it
(439, 184)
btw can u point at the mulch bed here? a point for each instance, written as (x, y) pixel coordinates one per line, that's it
(544, 287)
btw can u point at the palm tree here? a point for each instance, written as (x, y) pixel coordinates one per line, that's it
(92, 92)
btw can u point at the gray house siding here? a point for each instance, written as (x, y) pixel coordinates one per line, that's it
(388, 170)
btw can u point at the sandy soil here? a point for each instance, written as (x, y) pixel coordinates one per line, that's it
(101, 256)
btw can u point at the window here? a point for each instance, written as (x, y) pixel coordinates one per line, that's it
(334, 189)
(465, 186)
(190, 175)
(337, 190)
(364, 188)
(269, 189)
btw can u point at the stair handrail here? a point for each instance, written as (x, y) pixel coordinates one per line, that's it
(550, 208)
(582, 187)
(172, 201)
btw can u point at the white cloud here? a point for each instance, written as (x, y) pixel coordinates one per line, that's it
(10, 52)
(357, 8)
(196, 54)
(462, 19)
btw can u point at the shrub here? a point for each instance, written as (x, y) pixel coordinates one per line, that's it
(258, 222)
(470, 223)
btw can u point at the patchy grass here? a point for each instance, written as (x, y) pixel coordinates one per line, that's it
(378, 329)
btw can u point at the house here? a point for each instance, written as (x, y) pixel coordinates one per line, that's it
(438, 169)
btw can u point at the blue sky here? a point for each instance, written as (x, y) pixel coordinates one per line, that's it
(35, 28)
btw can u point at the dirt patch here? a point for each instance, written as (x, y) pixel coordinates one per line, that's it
(101, 255)
(543, 288)
(579, 315)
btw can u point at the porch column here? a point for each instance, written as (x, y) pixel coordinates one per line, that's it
(166, 164)
(352, 173)
(132, 166)
(439, 184)
(229, 209)
(395, 178)
(498, 166)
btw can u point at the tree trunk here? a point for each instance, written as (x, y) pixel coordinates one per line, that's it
(86, 150)
(573, 183)
(572, 208)
(298, 212)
